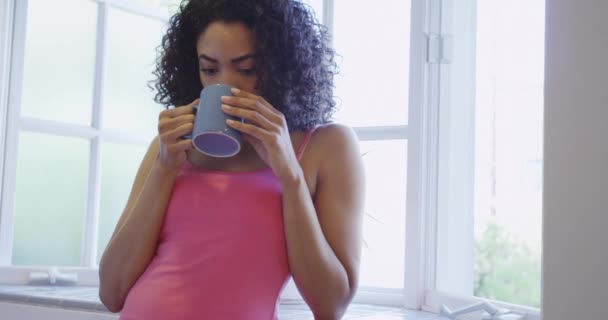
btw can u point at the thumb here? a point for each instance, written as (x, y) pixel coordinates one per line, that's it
(194, 105)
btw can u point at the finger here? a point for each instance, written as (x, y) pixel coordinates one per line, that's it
(253, 103)
(171, 136)
(167, 124)
(244, 94)
(180, 146)
(177, 133)
(170, 123)
(250, 139)
(251, 116)
(178, 111)
(260, 100)
(254, 131)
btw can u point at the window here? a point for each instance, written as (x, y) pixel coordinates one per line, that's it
(446, 101)
(372, 97)
(511, 158)
(490, 119)
(372, 93)
(79, 106)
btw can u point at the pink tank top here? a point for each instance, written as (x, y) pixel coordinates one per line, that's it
(221, 252)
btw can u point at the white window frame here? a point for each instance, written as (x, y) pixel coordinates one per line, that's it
(87, 272)
(12, 35)
(441, 91)
(375, 295)
(6, 31)
(429, 53)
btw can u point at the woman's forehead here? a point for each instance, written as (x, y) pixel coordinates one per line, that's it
(228, 40)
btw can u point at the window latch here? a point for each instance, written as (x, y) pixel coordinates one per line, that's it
(491, 312)
(439, 49)
(53, 277)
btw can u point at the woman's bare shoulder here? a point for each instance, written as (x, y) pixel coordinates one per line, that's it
(334, 135)
(334, 143)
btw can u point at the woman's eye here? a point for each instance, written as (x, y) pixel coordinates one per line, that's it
(248, 72)
(208, 71)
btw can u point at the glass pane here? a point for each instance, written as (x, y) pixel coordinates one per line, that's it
(509, 146)
(382, 263)
(169, 6)
(59, 60)
(489, 231)
(128, 102)
(317, 7)
(51, 197)
(119, 164)
(372, 88)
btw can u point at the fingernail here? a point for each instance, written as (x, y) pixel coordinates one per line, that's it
(225, 107)
(224, 98)
(235, 90)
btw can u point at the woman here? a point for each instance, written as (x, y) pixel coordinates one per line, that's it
(209, 238)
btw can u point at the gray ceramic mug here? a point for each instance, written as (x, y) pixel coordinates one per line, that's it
(211, 135)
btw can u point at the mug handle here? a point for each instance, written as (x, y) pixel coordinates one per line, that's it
(189, 136)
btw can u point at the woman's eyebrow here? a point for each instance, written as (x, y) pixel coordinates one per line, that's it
(234, 61)
(208, 58)
(243, 58)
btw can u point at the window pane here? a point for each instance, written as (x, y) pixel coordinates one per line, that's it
(382, 263)
(51, 195)
(372, 87)
(59, 60)
(317, 7)
(128, 102)
(509, 135)
(490, 172)
(169, 6)
(119, 166)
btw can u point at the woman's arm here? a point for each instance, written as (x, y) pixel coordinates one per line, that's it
(134, 240)
(324, 234)
(135, 237)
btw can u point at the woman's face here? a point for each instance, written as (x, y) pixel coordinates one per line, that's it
(226, 55)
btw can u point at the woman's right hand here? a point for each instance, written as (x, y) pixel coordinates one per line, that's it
(172, 125)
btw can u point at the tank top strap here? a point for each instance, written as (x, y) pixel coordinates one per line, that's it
(305, 143)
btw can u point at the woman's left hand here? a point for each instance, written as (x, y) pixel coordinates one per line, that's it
(265, 128)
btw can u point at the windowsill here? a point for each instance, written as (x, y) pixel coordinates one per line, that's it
(87, 299)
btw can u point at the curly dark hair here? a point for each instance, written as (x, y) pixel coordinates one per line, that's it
(294, 59)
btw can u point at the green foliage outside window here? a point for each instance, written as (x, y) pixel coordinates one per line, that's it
(506, 269)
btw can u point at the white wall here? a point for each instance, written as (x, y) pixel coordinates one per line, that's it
(575, 260)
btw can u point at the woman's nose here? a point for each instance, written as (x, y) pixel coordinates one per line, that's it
(229, 78)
